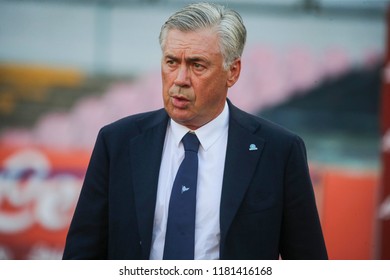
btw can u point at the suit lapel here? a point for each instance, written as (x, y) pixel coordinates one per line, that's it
(146, 151)
(244, 150)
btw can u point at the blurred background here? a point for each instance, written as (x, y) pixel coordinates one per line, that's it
(317, 67)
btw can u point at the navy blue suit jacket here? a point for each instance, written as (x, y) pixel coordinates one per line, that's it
(267, 206)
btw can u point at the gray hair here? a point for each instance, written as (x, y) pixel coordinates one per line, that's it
(227, 23)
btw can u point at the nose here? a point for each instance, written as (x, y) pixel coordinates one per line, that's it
(182, 78)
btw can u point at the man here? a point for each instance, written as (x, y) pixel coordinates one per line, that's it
(254, 198)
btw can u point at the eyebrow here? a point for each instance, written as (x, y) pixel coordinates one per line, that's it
(189, 59)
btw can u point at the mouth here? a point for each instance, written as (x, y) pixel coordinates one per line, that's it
(180, 102)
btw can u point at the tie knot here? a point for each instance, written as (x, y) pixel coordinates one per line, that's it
(190, 142)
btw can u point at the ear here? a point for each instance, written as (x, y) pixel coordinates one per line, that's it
(234, 72)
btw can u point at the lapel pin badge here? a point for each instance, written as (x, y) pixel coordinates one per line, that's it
(252, 147)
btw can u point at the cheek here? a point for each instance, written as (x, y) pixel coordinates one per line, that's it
(167, 77)
(166, 85)
(211, 89)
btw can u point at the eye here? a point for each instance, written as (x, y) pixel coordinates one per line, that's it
(198, 66)
(170, 62)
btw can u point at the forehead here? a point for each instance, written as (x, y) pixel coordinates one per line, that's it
(205, 42)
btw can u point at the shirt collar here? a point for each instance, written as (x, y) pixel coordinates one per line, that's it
(207, 134)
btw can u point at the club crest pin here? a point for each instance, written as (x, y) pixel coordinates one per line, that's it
(252, 147)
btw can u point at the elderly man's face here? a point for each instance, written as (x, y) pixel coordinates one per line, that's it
(195, 83)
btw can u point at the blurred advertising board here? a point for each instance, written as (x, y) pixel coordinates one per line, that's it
(38, 192)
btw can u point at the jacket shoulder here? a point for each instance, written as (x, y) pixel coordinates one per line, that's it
(135, 124)
(260, 126)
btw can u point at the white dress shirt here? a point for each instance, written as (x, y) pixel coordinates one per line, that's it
(211, 154)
